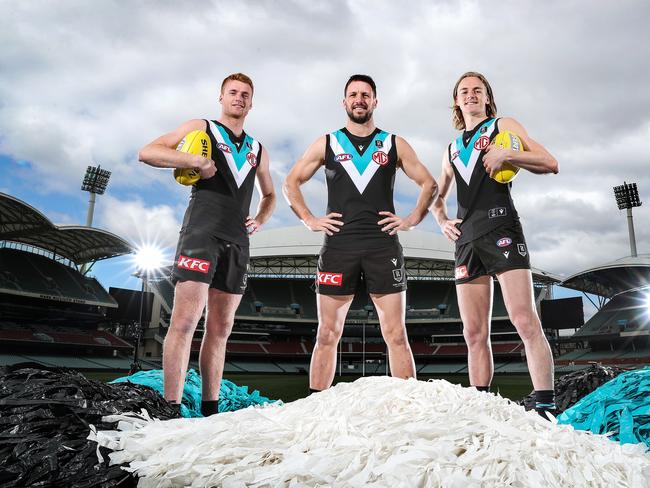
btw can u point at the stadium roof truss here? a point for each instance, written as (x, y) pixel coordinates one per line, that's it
(21, 223)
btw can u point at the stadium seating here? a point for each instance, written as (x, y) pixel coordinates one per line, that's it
(32, 273)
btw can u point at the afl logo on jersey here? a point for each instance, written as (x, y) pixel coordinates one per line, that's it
(482, 143)
(224, 147)
(252, 159)
(381, 158)
(504, 242)
(343, 157)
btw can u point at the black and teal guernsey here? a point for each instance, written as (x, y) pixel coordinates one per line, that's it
(483, 203)
(360, 174)
(220, 204)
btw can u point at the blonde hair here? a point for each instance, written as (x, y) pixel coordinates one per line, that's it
(238, 77)
(457, 115)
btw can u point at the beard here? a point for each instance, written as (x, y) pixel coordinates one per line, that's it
(359, 119)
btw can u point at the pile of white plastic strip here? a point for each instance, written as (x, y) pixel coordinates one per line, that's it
(377, 431)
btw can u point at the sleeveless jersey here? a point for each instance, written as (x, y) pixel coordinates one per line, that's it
(221, 204)
(360, 174)
(483, 203)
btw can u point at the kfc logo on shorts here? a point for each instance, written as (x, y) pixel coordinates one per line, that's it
(331, 279)
(252, 159)
(461, 272)
(224, 148)
(504, 242)
(482, 143)
(381, 158)
(193, 264)
(343, 157)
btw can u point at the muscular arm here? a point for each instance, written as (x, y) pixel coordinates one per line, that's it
(264, 186)
(415, 170)
(439, 207)
(162, 153)
(302, 172)
(535, 158)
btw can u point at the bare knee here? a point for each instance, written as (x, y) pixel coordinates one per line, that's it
(218, 331)
(527, 325)
(396, 337)
(476, 335)
(182, 327)
(328, 336)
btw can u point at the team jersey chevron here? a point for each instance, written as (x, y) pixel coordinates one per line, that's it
(358, 166)
(463, 157)
(240, 161)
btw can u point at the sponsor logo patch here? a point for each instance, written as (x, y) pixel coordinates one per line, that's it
(506, 254)
(482, 143)
(461, 272)
(504, 242)
(343, 157)
(331, 279)
(252, 159)
(497, 212)
(521, 249)
(381, 158)
(224, 148)
(394, 261)
(193, 264)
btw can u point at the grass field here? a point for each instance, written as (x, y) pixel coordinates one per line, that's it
(290, 387)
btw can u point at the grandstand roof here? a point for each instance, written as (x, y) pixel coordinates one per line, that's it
(608, 280)
(20, 222)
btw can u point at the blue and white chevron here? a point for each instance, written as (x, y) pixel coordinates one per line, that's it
(240, 161)
(360, 168)
(463, 157)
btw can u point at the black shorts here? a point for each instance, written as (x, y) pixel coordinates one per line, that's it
(499, 250)
(207, 259)
(339, 271)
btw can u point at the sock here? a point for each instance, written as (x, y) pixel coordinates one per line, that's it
(311, 390)
(209, 407)
(545, 402)
(483, 388)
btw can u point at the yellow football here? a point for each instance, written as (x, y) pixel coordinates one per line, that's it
(507, 140)
(196, 142)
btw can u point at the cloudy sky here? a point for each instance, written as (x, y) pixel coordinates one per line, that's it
(91, 82)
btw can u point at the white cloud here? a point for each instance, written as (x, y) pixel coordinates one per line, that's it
(91, 83)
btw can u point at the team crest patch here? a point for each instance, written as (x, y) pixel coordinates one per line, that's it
(379, 143)
(398, 275)
(521, 249)
(461, 272)
(483, 129)
(504, 242)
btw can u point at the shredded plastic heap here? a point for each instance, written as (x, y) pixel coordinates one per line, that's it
(376, 431)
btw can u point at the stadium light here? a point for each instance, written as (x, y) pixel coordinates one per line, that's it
(147, 259)
(627, 197)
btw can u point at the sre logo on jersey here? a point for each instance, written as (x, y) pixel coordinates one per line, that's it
(332, 279)
(193, 264)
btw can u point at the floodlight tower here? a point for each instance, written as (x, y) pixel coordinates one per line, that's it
(95, 182)
(627, 197)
